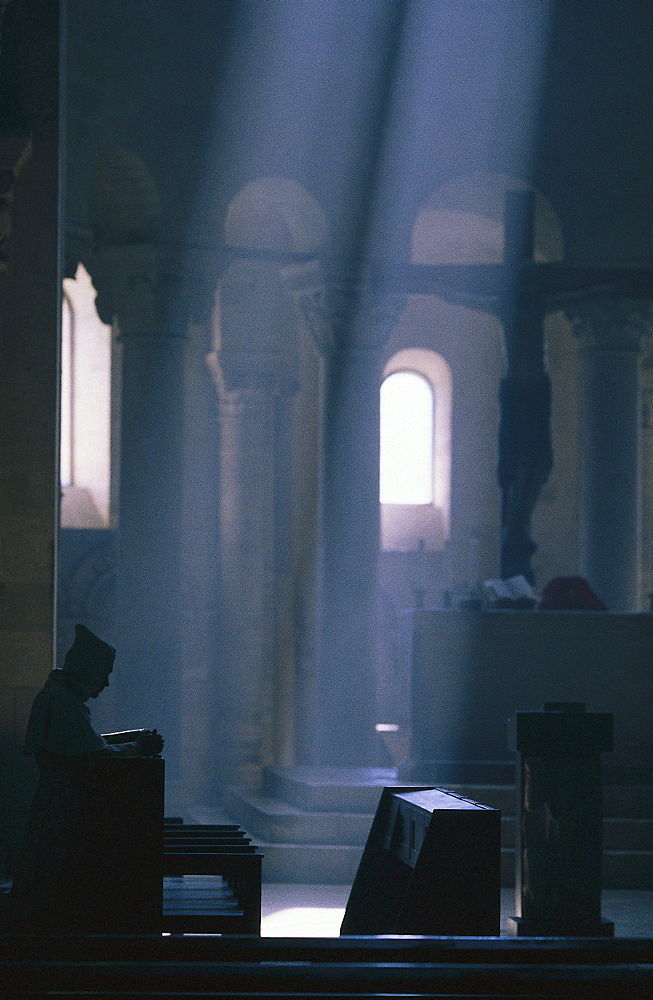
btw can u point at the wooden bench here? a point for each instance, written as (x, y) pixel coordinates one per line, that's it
(142, 966)
(211, 880)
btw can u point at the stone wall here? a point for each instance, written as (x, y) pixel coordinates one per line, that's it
(29, 308)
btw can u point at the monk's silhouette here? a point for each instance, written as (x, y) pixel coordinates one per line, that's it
(64, 742)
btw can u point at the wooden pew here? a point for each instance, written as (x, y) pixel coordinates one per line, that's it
(175, 823)
(142, 966)
(211, 880)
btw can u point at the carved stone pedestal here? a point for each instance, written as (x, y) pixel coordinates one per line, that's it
(559, 813)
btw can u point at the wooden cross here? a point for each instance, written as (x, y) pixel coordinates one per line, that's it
(519, 292)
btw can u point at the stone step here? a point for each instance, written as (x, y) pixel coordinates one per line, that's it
(329, 789)
(628, 870)
(631, 801)
(277, 822)
(313, 864)
(312, 823)
(618, 834)
(621, 869)
(627, 834)
(272, 821)
(330, 864)
(353, 790)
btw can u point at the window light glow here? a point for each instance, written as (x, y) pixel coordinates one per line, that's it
(66, 459)
(406, 439)
(85, 447)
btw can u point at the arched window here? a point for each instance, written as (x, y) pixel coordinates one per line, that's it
(406, 439)
(415, 451)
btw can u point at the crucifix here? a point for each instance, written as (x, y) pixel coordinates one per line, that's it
(520, 292)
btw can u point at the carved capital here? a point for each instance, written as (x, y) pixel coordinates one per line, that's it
(612, 324)
(341, 315)
(246, 392)
(306, 286)
(15, 150)
(255, 334)
(125, 280)
(377, 317)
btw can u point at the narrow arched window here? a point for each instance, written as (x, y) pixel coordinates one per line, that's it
(406, 474)
(415, 451)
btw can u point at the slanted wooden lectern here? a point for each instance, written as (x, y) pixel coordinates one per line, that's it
(114, 881)
(431, 865)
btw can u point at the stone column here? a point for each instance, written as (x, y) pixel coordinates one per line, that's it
(611, 338)
(245, 539)
(30, 290)
(147, 632)
(349, 329)
(254, 369)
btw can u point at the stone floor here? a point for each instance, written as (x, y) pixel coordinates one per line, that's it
(317, 910)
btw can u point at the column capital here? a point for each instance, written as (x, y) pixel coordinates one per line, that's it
(125, 278)
(245, 391)
(612, 324)
(254, 331)
(341, 314)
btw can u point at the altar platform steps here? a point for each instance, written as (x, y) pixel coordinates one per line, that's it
(311, 824)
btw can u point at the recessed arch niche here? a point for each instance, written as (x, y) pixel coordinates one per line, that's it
(255, 329)
(462, 222)
(276, 214)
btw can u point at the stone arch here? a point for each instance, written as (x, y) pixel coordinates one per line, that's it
(125, 212)
(255, 329)
(462, 222)
(277, 214)
(124, 201)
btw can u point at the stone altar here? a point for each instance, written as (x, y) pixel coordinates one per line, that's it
(471, 671)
